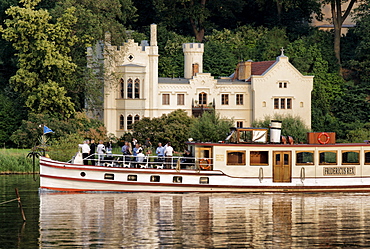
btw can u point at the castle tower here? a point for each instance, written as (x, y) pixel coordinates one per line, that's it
(193, 59)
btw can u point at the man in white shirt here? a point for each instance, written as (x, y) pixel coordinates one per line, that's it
(85, 151)
(168, 152)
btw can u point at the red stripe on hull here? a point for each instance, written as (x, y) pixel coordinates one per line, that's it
(232, 188)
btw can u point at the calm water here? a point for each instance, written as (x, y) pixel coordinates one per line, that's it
(142, 220)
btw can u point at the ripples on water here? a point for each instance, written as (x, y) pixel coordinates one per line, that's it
(204, 220)
(143, 220)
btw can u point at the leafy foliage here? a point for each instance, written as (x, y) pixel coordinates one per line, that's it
(173, 127)
(291, 126)
(66, 147)
(10, 117)
(45, 65)
(210, 127)
(28, 133)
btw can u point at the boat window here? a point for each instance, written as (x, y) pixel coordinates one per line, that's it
(328, 157)
(258, 158)
(304, 157)
(132, 178)
(235, 158)
(109, 176)
(177, 179)
(83, 174)
(203, 180)
(367, 157)
(350, 157)
(154, 178)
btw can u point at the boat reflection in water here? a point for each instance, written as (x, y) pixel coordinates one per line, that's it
(204, 220)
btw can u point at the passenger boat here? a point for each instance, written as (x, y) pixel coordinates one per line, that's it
(244, 162)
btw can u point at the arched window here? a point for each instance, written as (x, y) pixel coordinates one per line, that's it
(137, 89)
(202, 98)
(122, 88)
(121, 122)
(137, 118)
(129, 122)
(129, 89)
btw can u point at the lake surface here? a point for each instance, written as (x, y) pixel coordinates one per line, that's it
(143, 220)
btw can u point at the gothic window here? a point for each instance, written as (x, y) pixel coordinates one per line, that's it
(122, 88)
(202, 98)
(137, 89)
(129, 122)
(137, 118)
(129, 89)
(121, 122)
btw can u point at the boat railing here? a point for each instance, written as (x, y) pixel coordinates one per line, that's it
(148, 161)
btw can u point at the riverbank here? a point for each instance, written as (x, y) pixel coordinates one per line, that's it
(15, 161)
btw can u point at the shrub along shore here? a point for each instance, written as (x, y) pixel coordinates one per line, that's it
(15, 161)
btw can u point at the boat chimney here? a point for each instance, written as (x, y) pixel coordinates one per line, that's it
(275, 131)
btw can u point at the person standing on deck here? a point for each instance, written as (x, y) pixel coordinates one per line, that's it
(85, 151)
(168, 153)
(101, 151)
(92, 151)
(160, 152)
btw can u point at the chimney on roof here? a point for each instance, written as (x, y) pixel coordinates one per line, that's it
(245, 70)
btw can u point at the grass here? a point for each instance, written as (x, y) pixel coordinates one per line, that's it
(13, 161)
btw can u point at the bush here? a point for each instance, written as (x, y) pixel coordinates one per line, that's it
(12, 161)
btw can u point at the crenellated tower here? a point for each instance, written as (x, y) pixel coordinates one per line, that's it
(193, 59)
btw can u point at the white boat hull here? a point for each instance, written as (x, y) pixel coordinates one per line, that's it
(58, 176)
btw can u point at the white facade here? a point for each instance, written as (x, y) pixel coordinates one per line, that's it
(133, 90)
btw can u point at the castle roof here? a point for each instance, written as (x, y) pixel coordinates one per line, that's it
(258, 68)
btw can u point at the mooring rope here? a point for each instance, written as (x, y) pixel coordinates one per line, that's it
(9, 201)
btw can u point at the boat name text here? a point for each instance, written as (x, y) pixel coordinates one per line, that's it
(339, 171)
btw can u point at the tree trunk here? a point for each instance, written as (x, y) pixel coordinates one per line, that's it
(338, 19)
(198, 28)
(336, 13)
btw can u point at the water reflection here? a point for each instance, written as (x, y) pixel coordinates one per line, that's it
(204, 220)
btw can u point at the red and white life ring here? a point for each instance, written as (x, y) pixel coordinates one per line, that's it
(323, 134)
(205, 164)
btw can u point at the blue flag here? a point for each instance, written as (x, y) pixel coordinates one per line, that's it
(47, 129)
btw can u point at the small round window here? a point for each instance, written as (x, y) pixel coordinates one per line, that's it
(83, 174)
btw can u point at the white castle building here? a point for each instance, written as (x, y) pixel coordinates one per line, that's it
(133, 90)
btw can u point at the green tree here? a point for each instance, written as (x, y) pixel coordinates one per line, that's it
(10, 117)
(196, 16)
(291, 126)
(28, 133)
(219, 60)
(338, 16)
(292, 15)
(171, 59)
(210, 127)
(311, 56)
(44, 61)
(173, 127)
